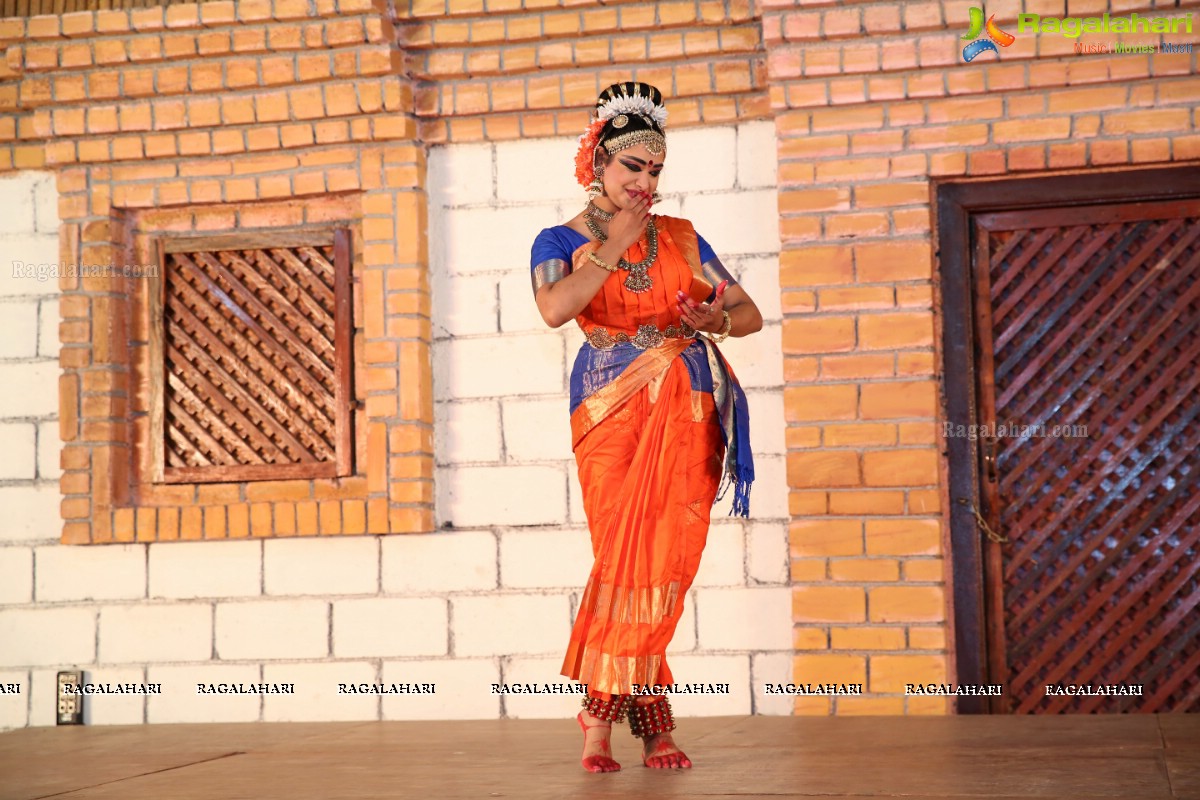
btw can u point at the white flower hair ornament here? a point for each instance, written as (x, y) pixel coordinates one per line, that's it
(642, 106)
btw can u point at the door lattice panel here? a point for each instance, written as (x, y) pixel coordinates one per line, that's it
(1094, 316)
(255, 346)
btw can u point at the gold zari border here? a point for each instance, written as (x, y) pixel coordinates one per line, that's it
(645, 605)
(617, 674)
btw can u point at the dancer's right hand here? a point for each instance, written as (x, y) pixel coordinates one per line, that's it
(628, 225)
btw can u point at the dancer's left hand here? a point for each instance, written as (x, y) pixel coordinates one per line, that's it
(705, 317)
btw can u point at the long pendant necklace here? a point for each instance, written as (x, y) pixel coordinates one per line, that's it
(637, 281)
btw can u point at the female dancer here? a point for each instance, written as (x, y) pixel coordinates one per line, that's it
(654, 407)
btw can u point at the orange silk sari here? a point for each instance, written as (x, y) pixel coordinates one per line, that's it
(649, 447)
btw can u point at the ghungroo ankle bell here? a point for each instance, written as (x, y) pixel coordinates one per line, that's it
(613, 709)
(652, 718)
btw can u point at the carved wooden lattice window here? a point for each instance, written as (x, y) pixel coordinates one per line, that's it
(254, 343)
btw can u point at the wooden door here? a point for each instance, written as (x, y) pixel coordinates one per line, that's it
(1085, 387)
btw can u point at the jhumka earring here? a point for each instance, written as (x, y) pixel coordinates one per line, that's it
(596, 187)
(656, 198)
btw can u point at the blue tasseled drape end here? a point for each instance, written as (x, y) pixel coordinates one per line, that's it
(739, 463)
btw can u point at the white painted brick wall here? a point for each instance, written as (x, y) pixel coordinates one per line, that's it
(183, 570)
(522, 173)
(768, 495)
(180, 702)
(470, 497)
(316, 696)
(756, 155)
(114, 709)
(115, 572)
(18, 328)
(536, 559)
(736, 221)
(38, 382)
(14, 707)
(757, 363)
(767, 553)
(348, 565)
(526, 670)
(684, 640)
(511, 624)
(18, 443)
(518, 311)
(745, 619)
(272, 629)
(461, 174)
(468, 304)
(16, 575)
(160, 632)
(48, 319)
(759, 276)
(390, 627)
(31, 513)
(537, 429)
(468, 431)
(43, 695)
(49, 446)
(766, 408)
(448, 561)
(699, 160)
(771, 668)
(493, 238)
(496, 366)
(462, 689)
(35, 636)
(23, 274)
(723, 561)
(731, 669)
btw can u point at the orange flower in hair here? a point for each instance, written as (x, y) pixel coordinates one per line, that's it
(585, 168)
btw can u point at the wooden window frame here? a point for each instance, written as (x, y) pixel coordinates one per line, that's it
(342, 464)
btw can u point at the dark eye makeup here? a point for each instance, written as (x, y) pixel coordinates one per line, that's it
(632, 167)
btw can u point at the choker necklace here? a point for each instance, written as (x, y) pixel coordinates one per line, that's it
(638, 281)
(599, 213)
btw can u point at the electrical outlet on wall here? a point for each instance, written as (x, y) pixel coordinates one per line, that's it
(70, 700)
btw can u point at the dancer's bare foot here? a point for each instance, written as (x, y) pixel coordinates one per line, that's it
(597, 753)
(659, 751)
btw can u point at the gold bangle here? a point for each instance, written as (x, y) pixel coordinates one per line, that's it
(722, 334)
(597, 260)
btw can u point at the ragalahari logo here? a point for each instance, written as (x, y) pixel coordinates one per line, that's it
(995, 36)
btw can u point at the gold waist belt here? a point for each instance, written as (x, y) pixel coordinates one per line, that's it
(647, 336)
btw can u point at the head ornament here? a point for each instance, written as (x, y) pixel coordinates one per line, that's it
(626, 114)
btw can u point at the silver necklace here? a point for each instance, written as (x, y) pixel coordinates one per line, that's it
(637, 281)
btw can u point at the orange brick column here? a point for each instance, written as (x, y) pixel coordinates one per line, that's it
(861, 396)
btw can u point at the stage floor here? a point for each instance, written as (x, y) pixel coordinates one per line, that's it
(1138, 757)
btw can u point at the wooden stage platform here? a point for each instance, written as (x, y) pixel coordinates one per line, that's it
(1132, 757)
